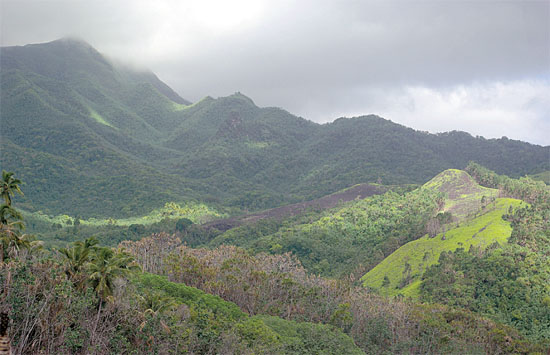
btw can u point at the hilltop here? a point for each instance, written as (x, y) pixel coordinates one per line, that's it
(475, 218)
(96, 139)
(401, 272)
(463, 195)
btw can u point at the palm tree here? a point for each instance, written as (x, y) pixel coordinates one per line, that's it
(11, 239)
(10, 186)
(77, 257)
(107, 265)
(155, 303)
(10, 216)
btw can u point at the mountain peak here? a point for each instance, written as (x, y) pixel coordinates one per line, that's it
(71, 41)
(240, 96)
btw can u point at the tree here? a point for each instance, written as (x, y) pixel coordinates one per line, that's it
(386, 281)
(10, 186)
(77, 257)
(433, 227)
(107, 265)
(11, 224)
(11, 242)
(182, 224)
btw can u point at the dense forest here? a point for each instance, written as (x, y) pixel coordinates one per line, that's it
(87, 135)
(134, 221)
(157, 295)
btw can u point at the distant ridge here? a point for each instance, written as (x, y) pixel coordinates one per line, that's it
(99, 139)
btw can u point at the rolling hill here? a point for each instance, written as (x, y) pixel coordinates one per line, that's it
(475, 223)
(97, 139)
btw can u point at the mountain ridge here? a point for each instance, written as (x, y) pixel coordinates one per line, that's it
(104, 121)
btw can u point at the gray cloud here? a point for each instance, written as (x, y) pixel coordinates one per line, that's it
(324, 59)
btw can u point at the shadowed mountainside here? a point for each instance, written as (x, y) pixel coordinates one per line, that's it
(98, 139)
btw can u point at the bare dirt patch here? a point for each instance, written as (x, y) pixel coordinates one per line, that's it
(360, 191)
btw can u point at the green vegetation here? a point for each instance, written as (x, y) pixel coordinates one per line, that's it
(86, 298)
(98, 140)
(542, 176)
(197, 213)
(346, 239)
(56, 231)
(473, 217)
(463, 195)
(104, 149)
(96, 116)
(401, 272)
(279, 286)
(92, 299)
(495, 262)
(508, 284)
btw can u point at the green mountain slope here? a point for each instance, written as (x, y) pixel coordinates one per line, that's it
(401, 272)
(474, 218)
(97, 139)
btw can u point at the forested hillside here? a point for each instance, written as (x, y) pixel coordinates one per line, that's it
(96, 139)
(159, 296)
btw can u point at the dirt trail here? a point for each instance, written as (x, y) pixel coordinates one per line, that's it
(360, 191)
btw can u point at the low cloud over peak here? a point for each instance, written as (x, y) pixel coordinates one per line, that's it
(482, 67)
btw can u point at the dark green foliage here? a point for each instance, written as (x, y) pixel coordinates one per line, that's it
(99, 140)
(189, 296)
(339, 241)
(509, 284)
(183, 224)
(310, 338)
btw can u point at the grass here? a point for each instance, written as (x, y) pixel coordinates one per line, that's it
(99, 119)
(180, 107)
(421, 253)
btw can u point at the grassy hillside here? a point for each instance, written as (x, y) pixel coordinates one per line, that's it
(507, 283)
(401, 272)
(355, 235)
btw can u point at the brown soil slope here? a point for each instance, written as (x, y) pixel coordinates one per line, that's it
(360, 191)
(463, 195)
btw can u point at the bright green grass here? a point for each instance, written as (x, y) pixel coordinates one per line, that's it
(99, 119)
(421, 253)
(180, 107)
(196, 212)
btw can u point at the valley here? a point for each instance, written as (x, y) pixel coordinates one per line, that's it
(136, 221)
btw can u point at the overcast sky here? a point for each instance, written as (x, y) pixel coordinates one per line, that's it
(478, 66)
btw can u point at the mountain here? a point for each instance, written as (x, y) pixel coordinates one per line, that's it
(95, 138)
(475, 220)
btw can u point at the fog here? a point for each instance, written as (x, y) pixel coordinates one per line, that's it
(482, 67)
